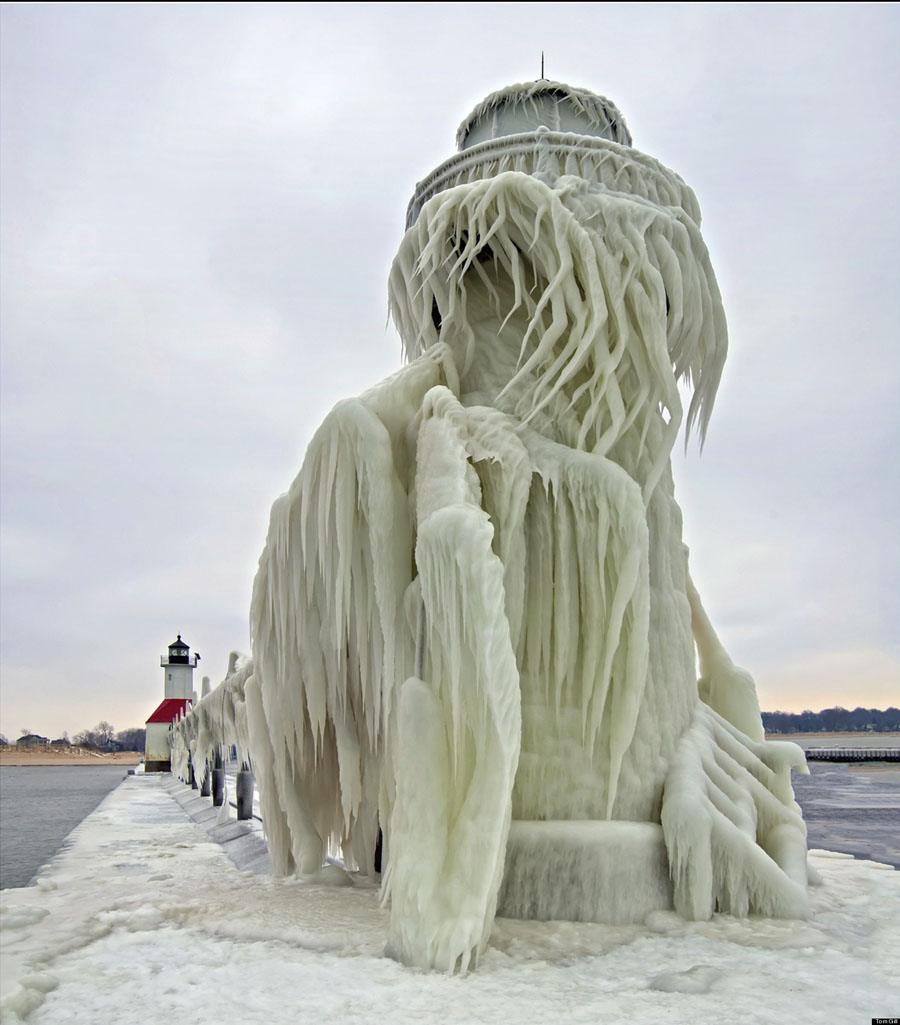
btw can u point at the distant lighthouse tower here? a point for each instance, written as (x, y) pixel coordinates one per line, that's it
(178, 694)
(178, 670)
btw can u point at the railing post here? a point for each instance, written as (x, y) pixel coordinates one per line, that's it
(244, 788)
(206, 782)
(218, 779)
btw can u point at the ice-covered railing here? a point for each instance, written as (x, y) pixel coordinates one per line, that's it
(550, 154)
(217, 723)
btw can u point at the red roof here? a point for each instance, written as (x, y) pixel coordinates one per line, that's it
(169, 709)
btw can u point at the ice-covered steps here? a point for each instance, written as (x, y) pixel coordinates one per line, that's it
(243, 842)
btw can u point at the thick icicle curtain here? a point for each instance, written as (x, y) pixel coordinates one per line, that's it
(620, 297)
(475, 594)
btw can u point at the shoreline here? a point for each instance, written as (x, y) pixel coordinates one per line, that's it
(69, 758)
(886, 736)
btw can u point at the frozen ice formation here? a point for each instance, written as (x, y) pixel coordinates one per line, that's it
(474, 629)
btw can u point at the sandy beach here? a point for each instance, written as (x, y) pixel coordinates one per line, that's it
(73, 756)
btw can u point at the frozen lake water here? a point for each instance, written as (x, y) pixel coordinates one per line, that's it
(39, 806)
(854, 809)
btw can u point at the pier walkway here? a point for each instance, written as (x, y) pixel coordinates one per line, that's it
(141, 912)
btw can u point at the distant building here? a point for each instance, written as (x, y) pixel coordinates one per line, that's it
(32, 742)
(61, 742)
(178, 694)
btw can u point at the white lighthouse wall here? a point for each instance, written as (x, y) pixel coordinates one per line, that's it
(179, 681)
(157, 746)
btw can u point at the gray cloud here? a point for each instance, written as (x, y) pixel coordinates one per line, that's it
(199, 208)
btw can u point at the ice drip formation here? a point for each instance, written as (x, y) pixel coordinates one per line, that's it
(474, 628)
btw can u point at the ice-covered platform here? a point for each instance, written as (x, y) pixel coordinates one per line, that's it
(144, 916)
(613, 872)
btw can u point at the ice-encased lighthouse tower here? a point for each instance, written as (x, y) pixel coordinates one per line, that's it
(473, 622)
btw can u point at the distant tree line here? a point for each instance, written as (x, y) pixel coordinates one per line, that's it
(133, 739)
(103, 737)
(833, 720)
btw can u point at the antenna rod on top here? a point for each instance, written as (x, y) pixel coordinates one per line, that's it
(542, 65)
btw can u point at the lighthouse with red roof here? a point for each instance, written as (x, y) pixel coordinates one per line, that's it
(178, 694)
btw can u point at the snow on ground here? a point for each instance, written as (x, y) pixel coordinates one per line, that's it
(141, 918)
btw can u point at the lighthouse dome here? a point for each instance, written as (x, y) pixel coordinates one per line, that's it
(554, 106)
(549, 129)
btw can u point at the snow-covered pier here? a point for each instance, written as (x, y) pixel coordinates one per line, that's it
(144, 909)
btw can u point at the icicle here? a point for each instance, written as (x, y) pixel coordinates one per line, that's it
(735, 836)
(730, 691)
(326, 617)
(595, 339)
(459, 729)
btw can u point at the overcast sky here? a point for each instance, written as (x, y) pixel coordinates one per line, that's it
(199, 209)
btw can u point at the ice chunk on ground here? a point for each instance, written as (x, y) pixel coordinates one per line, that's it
(698, 979)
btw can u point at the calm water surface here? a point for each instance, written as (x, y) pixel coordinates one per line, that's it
(39, 806)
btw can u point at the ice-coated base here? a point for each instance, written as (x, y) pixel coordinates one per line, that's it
(585, 871)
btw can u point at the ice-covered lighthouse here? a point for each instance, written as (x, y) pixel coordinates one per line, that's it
(474, 623)
(178, 667)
